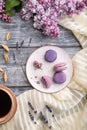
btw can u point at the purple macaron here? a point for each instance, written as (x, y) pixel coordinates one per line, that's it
(46, 80)
(50, 55)
(59, 77)
(60, 67)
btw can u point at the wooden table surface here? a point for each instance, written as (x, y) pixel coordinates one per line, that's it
(23, 30)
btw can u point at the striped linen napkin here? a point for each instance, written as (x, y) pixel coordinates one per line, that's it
(81, 38)
(78, 25)
(69, 106)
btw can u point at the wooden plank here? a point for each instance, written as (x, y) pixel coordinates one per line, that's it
(19, 90)
(23, 30)
(16, 71)
(23, 53)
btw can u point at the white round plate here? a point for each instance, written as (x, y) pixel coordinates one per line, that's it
(34, 75)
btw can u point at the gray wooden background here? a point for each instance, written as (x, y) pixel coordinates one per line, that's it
(23, 30)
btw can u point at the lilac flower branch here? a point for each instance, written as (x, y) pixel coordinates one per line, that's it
(47, 13)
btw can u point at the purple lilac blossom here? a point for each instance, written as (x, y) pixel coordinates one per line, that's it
(3, 15)
(46, 13)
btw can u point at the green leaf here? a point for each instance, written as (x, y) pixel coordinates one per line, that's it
(18, 8)
(9, 13)
(10, 5)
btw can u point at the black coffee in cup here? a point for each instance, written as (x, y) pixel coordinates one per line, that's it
(8, 104)
(5, 103)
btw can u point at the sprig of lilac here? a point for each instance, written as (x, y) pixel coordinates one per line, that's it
(3, 15)
(47, 13)
(85, 1)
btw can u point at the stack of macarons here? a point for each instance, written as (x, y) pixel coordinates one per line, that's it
(59, 76)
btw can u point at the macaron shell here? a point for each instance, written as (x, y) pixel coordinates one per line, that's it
(60, 68)
(60, 64)
(50, 55)
(59, 77)
(47, 82)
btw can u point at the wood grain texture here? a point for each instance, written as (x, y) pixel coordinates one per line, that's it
(19, 90)
(16, 69)
(23, 30)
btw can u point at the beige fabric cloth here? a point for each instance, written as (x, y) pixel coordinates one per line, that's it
(76, 23)
(69, 106)
(81, 38)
